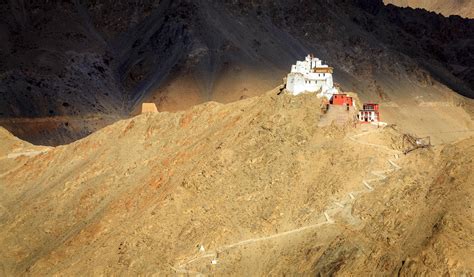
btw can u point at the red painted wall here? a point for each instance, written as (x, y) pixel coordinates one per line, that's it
(341, 99)
(371, 106)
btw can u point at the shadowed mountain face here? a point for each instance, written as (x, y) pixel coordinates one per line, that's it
(464, 8)
(100, 59)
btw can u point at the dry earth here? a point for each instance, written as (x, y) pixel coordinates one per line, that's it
(464, 8)
(256, 183)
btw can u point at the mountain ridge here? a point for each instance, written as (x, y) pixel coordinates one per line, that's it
(108, 57)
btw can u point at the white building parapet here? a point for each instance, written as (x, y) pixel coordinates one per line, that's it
(311, 76)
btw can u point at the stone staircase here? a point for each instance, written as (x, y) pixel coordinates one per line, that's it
(337, 114)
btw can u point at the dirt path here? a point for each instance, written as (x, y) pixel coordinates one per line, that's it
(214, 254)
(383, 147)
(26, 154)
(338, 207)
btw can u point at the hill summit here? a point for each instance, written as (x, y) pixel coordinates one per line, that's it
(251, 187)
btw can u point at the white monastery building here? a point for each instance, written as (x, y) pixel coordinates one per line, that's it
(311, 75)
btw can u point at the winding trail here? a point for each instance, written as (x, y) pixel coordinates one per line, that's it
(338, 207)
(383, 147)
(26, 154)
(214, 254)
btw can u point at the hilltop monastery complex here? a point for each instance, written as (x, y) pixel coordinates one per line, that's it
(311, 75)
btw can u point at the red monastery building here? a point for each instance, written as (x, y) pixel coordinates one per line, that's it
(369, 113)
(341, 99)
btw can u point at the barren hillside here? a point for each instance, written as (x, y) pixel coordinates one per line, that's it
(248, 188)
(233, 176)
(464, 8)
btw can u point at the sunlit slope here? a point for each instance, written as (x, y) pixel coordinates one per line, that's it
(464, 8)
(142, 194)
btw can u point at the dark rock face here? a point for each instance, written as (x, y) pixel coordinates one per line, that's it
(50, 55)
(434, 41)
(105, 57)
(442, 46)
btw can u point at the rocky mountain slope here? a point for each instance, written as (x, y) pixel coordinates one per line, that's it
(79, 60)
(464, 8)
(248, 188)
